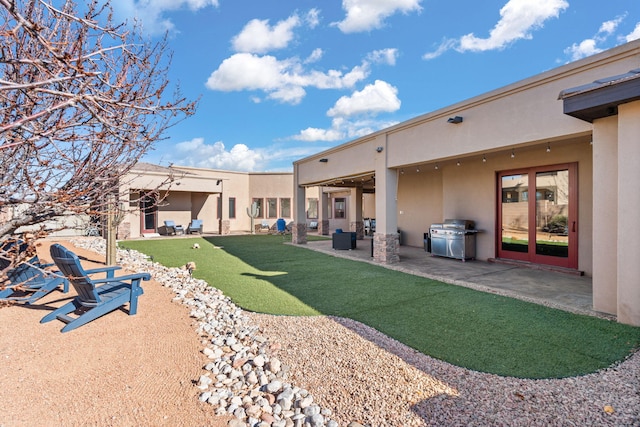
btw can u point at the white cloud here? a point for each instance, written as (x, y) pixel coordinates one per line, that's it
(343, 128)
(366, 15)
(384, 56)
(313, 18)
(373, 99)
(588, 47)
(634, 35)
(259, 37)
(609, 27)
(446, 45)
(199, 154)
(315, 56)
(353, 115)
(583, 49)
(315, 134)
(151, 12)
(282, 80)
(518, 19)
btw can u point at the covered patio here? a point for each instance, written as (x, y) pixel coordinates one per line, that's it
(550, 288)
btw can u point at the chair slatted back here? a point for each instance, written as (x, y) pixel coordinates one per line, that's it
(69, 264)
(26, 274)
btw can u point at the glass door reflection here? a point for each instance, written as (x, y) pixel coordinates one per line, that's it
(515, 213)
(552, 213)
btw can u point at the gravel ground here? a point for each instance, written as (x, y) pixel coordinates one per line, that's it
(365, 376)
(358, 373)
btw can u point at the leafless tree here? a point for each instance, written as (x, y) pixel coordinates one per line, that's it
(81, 100)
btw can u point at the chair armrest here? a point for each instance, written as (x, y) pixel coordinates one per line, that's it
(137, 276)
(109, 270)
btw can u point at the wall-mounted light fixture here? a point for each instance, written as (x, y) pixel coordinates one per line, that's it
(458, 163)
(218, 182)
(455, 120)
(323, 160)
(513, 154)
(379, 149)
(548, 147)
(436, 167)
(484, 159)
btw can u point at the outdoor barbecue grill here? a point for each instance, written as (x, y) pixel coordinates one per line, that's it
(454, 238)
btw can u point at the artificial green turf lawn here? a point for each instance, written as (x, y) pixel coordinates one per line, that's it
(476, 330)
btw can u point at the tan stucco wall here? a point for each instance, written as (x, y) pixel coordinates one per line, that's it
(469, 191)
(628, 208)
(195, 192)
(605, 191)
(419, 203)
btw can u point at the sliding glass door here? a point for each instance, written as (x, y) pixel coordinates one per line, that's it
(538, 215)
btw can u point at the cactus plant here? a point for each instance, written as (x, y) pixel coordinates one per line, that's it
(253, 214)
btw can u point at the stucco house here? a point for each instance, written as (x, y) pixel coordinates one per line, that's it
(219, 198)
(551, 160)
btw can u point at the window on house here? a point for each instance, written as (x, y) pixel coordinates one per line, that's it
(219, 208)
(285, 208)
(258, 202)
(312, 208)
(339, 207)
(232, 207)
(272, 208)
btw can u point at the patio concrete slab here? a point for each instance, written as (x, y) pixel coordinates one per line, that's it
(555, 289)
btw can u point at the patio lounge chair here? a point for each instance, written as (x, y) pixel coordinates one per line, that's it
(195, 226)
(172, 228)
(93, 301)
(29, 281)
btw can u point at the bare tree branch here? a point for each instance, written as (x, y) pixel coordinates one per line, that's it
(81, 100)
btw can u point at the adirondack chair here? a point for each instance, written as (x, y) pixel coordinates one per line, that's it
(195, 226)
(93, 300)
(29, 281)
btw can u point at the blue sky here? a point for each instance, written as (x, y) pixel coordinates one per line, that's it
(279, 80)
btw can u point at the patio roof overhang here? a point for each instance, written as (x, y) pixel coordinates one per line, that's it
(602, 97)
(366, 180)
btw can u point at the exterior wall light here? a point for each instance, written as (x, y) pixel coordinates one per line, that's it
(455, 120)
(323, 160)
(379, 149)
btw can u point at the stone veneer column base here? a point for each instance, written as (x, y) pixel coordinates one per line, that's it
(299, 233)
(226, 227)
(386, 248)
(358, 227)
(323, 227)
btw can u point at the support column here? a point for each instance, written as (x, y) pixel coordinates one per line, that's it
(299, 231)
(225, 223)
(605, 207)
(323, 221)
(386, 244)
(628, 207)
(355, 212)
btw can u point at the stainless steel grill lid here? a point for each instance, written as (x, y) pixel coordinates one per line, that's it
(463, 224)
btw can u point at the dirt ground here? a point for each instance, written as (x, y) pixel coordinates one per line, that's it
(118, 370)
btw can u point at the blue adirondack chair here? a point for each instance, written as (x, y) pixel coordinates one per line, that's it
(195, 226)
(93, 300)
(28, 281)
